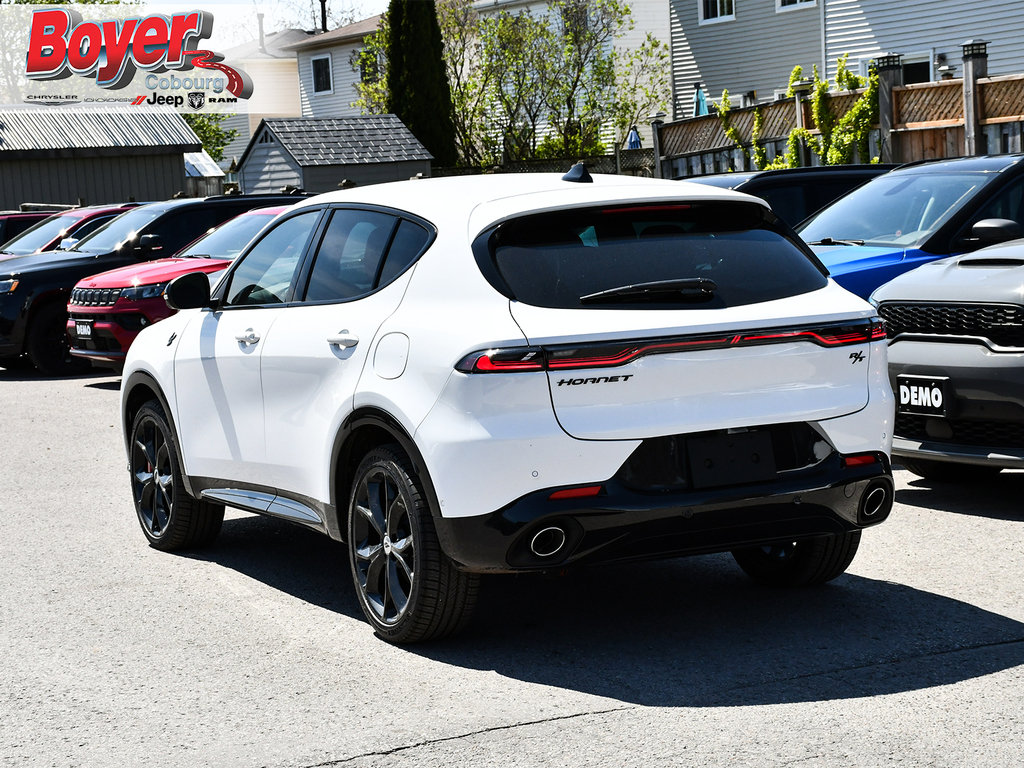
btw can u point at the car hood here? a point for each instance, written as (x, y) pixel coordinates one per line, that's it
(46, 260)
(990, 275)
(842, 259)
(151, 272)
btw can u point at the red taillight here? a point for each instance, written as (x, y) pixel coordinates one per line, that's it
(859, 460)
(610, 355)
(503, 361)
(576, 493)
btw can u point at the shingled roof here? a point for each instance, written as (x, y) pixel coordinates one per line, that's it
(82, 132)
(342, 140)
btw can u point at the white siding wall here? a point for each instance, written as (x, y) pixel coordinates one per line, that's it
(866, 28)
(756, 51)
(344, 77)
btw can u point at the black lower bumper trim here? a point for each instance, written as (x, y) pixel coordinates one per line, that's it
(624, 525)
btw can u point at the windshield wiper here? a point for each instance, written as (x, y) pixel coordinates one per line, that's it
(195, 256)
(834, 241)
(687, 289)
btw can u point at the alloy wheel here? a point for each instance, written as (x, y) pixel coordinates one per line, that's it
(383, 545)
(152, 476)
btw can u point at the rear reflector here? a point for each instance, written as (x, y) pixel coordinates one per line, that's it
(576, 493)
(859, 460)
(610, 355)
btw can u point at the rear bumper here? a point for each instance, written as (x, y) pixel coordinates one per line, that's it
(621, 524)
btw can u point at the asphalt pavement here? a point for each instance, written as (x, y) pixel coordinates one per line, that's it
(254, 653)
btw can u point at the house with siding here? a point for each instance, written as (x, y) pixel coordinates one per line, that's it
(273, 68)
(88, 156)
(750, 46)
(319, 154)
(327, 69)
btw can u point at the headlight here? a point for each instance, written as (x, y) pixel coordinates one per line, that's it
(143, 292)
(874, 302)
(8, 286)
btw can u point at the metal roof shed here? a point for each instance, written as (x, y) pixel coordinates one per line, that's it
(81, 155)
(317, 154)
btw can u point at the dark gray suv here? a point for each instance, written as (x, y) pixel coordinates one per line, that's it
(956, 363)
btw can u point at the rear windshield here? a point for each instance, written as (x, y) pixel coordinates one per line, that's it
(699, 255)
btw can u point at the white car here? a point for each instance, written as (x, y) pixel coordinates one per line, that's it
(517, 372)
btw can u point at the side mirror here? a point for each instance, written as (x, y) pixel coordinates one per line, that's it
(188, 291)
(67, 244)
(150, 243)
(992, 231)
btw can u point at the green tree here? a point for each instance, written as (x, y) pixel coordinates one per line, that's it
(469, 83)
(417, 85)
(211, 133)
(371, 61)
(642, 84)
(517, 55)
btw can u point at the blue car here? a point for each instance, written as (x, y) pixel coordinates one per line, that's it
(916, 214)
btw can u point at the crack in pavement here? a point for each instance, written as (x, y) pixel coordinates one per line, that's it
(512, 726)
(470, 734)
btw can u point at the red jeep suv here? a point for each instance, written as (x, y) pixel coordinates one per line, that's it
(107, 311)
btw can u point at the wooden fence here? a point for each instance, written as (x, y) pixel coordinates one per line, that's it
(927, 122)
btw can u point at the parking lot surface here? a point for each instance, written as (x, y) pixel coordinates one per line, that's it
(254, 652)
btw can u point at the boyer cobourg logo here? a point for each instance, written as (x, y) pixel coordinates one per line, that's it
(112, 53)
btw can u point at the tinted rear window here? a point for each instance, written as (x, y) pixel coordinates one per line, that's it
(738, 249)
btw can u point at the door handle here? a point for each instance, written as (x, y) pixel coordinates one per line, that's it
(249, 337)
(343, 340)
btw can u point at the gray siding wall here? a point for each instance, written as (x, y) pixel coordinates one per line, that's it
(325, 178)
(268, 168)
(754, 52)
(93, 180)
(343, 78)
(866, 28)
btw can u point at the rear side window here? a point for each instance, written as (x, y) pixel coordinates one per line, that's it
(700, 255)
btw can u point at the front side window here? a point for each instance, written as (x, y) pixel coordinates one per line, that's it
(675, 255)
(350, 255)
(322, 82)
(716, 10)
(266, 274)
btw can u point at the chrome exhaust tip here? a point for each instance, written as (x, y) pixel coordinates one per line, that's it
(876, 502)
(548, 542)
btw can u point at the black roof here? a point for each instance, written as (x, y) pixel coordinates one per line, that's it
(342, 140)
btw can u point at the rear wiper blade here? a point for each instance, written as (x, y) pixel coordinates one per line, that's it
(834, 241)
(687, 289)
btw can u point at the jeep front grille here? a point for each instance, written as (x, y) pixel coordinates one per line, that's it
(95, 297)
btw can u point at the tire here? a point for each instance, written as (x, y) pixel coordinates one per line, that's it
(800, 563)
(948, 471)
(407, 587)
(47, 343)
(171, 519)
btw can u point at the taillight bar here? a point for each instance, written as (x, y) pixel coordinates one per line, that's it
(611, 355)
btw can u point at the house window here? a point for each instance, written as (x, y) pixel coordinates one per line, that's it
(716, 10)
(788, 5)
(322, 82)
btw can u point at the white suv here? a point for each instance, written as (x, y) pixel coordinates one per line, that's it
(519, 372)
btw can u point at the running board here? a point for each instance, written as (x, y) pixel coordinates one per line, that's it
(266, 504)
